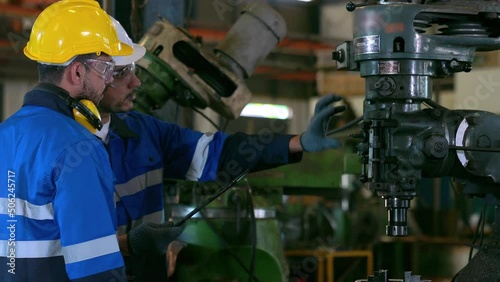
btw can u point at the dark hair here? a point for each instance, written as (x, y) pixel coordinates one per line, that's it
(53, 74)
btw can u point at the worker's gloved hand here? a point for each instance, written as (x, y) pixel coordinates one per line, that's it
(315, 139)
(149, 238)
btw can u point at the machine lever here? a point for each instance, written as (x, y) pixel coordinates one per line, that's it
(351, 6)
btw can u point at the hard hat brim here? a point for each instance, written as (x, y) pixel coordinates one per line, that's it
(138, 53)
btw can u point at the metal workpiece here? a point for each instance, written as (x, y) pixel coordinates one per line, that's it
(397, 214)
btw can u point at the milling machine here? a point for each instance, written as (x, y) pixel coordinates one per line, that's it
(400, 47)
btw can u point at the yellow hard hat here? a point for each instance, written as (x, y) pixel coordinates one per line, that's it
(73, 27)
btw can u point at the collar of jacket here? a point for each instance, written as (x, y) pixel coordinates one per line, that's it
(120, 127)
(49, 96)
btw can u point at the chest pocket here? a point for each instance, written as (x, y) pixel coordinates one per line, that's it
(143, 156)
(144, 169)
(145, 160)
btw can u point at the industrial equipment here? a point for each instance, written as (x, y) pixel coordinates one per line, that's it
(177, 66)
(239, 235)
(236, 238)
(400, 47)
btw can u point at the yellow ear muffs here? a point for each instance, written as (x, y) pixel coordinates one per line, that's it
(86, 114)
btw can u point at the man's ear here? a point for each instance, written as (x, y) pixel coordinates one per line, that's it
(76, 73)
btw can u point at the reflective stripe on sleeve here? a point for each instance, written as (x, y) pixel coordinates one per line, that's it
(30, 249)
(199, 158)
(91, 249)
(27, 209)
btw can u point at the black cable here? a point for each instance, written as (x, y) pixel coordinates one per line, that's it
(344, 127)
(207, 118)
(460, 204)
(482, 226)
(477, 232)
(253, 227)
(215, 231)
(211, 199)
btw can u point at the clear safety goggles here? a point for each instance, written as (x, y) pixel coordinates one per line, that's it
(102, 68)
(122, 76)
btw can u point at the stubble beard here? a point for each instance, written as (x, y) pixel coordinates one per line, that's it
(90, 92)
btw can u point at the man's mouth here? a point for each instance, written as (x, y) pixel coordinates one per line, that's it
(131, 97)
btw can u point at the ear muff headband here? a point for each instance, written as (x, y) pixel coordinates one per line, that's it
(84, 111)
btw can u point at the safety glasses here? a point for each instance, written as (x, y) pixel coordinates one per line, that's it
(102, 68)
(122, 76)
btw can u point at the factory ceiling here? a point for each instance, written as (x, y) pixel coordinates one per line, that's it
(294, 59)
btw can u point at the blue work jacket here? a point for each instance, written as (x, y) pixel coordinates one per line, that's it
(57, 215)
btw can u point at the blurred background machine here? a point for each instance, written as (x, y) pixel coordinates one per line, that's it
(399, 48)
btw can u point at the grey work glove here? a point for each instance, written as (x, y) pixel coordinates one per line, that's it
(152, 238)
(315, 139)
